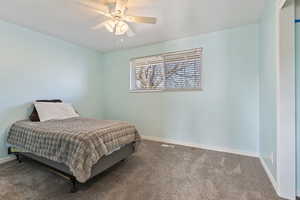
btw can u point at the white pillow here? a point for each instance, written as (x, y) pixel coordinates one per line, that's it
(48, 111)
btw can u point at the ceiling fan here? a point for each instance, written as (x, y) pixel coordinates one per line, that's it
(117, 22)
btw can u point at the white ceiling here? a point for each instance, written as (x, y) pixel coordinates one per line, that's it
(67, 20)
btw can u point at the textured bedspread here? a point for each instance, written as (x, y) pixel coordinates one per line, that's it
(77, 142)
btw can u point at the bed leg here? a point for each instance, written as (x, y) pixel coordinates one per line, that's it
(74, 182)
(18, 157)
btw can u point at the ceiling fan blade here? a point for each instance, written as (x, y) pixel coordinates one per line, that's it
(130, 32)
(138, 19)
(121, 5)
(99, 8)
(94, 5)
(101, 25)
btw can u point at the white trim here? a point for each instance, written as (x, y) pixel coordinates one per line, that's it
(270, 175)
(278, 11)
(200, 146)
(286, 123)
(6, 159)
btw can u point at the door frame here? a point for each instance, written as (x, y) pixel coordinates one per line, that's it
(286, 99)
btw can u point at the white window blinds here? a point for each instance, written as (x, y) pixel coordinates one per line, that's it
(171, 71)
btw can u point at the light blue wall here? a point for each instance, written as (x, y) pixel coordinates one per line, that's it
(35, 66)
(225, 114)
(267, 139)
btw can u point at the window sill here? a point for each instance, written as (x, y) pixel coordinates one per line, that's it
(166, 90)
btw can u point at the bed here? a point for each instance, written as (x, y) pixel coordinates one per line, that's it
(77, 148)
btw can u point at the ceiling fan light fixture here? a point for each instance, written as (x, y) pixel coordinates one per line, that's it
(121, 28)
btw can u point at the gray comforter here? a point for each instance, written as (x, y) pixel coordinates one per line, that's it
(77, 142)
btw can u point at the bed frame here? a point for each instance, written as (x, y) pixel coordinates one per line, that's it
(61, 169)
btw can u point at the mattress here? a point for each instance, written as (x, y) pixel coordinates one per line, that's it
(77, 142)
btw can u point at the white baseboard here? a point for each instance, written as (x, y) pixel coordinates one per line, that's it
(7, 159)
(200, 146)
(270, 175)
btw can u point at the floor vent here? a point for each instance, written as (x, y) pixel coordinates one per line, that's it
(167, 145)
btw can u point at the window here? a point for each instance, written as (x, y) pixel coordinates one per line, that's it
(171, 71)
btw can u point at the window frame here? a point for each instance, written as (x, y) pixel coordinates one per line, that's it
(132, 73)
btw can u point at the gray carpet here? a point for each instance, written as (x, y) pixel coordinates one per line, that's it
(154, 173)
